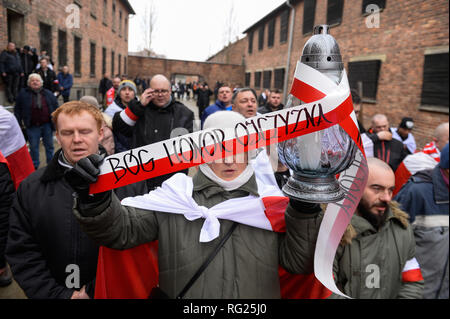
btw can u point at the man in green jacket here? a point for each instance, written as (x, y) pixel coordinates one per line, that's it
(246, 266)
(376, 257)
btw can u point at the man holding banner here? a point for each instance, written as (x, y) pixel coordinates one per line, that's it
(236, 207)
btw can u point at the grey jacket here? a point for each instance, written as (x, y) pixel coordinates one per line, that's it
(245, 267)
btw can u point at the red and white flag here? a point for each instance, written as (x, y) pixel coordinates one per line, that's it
(411, 272)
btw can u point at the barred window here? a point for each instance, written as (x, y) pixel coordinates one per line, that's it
(261, 38)
(257, 80)
(250, 43)
(62, 48)
(279, 78)
(435, 81)
(103, 61)
(366, 72)
(119, 59)
(45, 38)
(267, 79)
(334, 11)
(284, 25)
(309, 11)
(381, 4)
(77, 55)
(125, 65)
(112, 64)
(113, 16)
(248, 76)
(271, 33)
(105, 12)
(92, 60)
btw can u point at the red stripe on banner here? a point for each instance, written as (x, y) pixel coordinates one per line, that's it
(131, 115)
(275, 206)
(305, 92)
(412, 275)
(122, 176)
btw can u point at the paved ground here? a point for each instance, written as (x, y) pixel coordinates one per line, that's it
(13, 291)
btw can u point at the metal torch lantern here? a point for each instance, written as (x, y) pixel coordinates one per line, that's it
(317, 157)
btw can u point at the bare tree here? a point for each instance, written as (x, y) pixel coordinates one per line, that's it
(231, 27)
(148, 25)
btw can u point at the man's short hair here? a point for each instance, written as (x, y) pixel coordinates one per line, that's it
(46, 58)
(241, 90)
(75, 108)
(276, 91)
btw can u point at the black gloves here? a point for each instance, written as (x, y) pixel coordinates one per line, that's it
(305, 207)
(136, 107)
(84, 173)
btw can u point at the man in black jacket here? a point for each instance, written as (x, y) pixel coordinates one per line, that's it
(50, 256)
(47, 75)
(154, 118)
(11, 70)
(378, 142)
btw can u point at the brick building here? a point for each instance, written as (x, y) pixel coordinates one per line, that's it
(90, 36)
(399, 54)
(210, 72)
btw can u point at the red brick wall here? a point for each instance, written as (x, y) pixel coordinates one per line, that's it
(407, 29)
(210, 72)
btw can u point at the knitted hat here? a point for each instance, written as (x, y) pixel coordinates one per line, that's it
(444, 157)
(127, 83)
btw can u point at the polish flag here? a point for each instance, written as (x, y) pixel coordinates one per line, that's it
(14, 147)
(411, 165)
(411, 272)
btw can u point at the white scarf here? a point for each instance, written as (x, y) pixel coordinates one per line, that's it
(175, 196)
(228, 185)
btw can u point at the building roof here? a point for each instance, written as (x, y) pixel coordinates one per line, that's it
(128, 6)
(274, 12)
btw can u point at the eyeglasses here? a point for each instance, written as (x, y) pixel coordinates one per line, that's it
(160, 91)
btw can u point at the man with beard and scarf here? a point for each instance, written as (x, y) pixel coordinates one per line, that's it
(34, 106)
(50, 256)
(376, 257)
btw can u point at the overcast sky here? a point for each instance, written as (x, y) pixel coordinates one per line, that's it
(194, 29)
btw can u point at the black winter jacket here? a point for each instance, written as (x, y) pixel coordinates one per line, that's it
(45, 238)
(154, 124)
(10, 63)
(49, 80)
(6, 198)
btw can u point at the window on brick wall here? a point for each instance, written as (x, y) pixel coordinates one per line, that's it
(435, 82)
(334, 11)
(103, 61)
(366, 72)
(267, 79)
(250, 43)
(248, 77)
(120, 23)
(279, 79)
(271, 33)
(257, 80)
(92, 60)
(45, 38)
(125, 29)
(105, 12)
(125, 65)
(261, 37)
(284, 25)
(309, 11)
(62, 48)
(94, 9)
(381, 4)
(77, 55)
(119, 60)
(113, 16)
(112, 64)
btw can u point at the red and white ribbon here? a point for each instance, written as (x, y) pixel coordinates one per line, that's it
(312, 86)
(327, 104)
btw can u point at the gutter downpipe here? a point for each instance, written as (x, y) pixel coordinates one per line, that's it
(291, 35)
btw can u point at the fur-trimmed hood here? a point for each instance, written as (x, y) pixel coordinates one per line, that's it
(394, 213)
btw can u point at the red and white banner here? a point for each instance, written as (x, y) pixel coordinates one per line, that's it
(327, 104)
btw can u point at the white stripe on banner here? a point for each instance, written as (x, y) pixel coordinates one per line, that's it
(333, 108)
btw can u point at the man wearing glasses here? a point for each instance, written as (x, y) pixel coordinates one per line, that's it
(153, 118)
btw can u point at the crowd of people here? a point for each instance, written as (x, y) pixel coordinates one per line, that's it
(399, 227)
